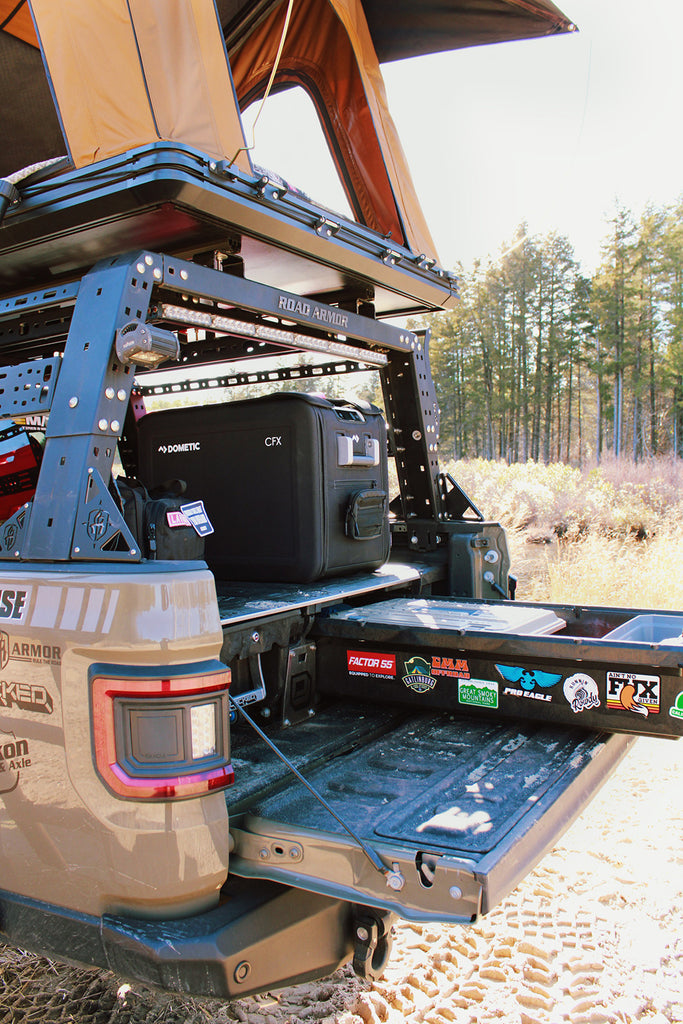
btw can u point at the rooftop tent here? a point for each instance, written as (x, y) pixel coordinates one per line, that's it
(123, 73)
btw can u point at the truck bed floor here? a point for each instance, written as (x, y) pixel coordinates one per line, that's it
(432, 779)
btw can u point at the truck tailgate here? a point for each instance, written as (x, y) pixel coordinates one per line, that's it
(458, 810)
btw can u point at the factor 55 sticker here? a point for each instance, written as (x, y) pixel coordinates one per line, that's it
(368, 663)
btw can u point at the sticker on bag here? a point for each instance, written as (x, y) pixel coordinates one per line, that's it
(198, 519)
(177, 518)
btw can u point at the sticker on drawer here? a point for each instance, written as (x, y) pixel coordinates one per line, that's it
(478, 693)
(418, 677)
(631, 691)
(366, 663)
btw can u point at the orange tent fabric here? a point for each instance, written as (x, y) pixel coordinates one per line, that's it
(15, 18)
(329, 52)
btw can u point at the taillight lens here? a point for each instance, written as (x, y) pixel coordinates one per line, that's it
(162, 733)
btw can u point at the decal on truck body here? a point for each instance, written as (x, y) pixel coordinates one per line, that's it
(14, 602)
(14, 756)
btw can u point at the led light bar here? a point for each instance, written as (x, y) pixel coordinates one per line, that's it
(261, 332)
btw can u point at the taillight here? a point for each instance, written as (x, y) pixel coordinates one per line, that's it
(162, 733)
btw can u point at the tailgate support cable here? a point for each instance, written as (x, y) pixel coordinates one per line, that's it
(393, 876)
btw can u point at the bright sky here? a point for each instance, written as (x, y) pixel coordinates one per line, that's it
(552, 131)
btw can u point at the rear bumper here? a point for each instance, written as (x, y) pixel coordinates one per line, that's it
(262, 936)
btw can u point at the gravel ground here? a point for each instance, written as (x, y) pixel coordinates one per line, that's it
(593, 935)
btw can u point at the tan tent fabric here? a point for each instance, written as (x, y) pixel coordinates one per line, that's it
(187, 75)
(122, 83)
(329, 52)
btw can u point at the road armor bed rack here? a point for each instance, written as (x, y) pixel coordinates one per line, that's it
(86, 388)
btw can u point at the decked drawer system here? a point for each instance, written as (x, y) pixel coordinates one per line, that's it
(412, 733)
(607, 669)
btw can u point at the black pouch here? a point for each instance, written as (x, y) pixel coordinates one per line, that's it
(366, 515)
(157, 521)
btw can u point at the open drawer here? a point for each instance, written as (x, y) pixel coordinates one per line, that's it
(618, 670)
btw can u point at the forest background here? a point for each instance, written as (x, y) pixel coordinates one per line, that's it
(540, 361)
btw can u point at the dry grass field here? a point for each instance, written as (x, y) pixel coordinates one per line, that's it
(595, 934)
(612, 535)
